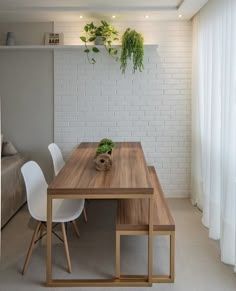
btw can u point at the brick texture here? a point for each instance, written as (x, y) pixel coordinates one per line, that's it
(154, 107)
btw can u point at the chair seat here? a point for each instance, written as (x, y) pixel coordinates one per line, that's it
(63, 210)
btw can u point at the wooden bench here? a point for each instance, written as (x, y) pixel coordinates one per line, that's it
(132, 219)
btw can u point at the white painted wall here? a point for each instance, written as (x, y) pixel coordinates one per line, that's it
(154, 107)
(26, 91)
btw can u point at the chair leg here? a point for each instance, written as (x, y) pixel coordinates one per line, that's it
(85, 215)
(66, 246)
(41, 232)
(31, 246)
(76, 228)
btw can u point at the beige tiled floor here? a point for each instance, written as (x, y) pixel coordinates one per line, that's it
(198, 266)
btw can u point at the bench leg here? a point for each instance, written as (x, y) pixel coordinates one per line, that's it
(155, 278)
(172, 256)
(171, 277)
(117, 255)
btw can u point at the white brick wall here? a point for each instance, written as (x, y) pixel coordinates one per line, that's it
(154, 107)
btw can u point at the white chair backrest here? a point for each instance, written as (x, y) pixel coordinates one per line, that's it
(36, 187)
(57, 158)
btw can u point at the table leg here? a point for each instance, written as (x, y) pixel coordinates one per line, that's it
(49, 240)
(150, 241)
(172, 256)
(117, 255)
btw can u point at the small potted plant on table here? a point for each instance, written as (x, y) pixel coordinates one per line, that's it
(103, 159)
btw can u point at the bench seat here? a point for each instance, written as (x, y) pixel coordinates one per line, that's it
(132, 218)
(132, 214)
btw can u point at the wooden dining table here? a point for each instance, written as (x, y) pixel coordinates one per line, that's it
(127, 179)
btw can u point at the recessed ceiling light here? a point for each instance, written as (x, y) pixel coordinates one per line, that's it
(147, 16)
(113, 16)
(81, 16)
(180, 15)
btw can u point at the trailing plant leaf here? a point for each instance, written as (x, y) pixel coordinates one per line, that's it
(83, 38)
(95, 49)
(132, 49)
(92, 38)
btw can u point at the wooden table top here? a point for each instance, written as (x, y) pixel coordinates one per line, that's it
(129, 173)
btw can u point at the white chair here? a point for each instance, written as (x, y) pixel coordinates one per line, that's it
(57, 158)
(64, 210)
(58, 164)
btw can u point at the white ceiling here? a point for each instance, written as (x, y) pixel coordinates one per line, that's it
(70, 10)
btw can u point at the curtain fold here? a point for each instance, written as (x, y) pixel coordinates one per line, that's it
(214, 122)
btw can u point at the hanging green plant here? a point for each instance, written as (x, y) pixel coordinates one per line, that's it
(104, 34)
(103, 158)
(132, 49)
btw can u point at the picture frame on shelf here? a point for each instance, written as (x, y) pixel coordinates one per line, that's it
(54, 38)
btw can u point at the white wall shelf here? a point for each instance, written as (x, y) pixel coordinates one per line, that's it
(56, 47)
(39, 47)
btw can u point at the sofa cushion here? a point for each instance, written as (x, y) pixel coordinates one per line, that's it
(13, 187)
(1, 141)
(8, 149)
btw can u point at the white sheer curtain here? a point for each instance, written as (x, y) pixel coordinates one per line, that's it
(214, 122)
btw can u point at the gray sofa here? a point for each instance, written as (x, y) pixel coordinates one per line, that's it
(13, 187)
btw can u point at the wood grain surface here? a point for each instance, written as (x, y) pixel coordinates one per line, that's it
(129, 173)
(132, 214)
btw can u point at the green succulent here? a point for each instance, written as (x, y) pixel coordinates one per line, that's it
(104, 149)
(106, 141)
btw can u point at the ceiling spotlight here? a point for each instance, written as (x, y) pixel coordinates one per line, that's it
(113, 16)
(146, 16)
(180, 15)
(81, 16)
